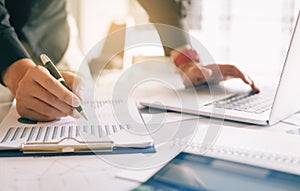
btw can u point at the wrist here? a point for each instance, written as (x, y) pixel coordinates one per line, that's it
(175, 52)
(184, 55)
(15, 72)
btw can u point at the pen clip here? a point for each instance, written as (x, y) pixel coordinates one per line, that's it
(68, 145)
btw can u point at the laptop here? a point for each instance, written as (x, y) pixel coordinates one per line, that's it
(268, 107)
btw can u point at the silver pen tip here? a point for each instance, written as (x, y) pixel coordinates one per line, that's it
(83, 115)
(44, 58)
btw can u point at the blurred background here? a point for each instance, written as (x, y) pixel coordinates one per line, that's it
(253, 35)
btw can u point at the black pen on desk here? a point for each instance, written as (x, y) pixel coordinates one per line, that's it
(55, 73)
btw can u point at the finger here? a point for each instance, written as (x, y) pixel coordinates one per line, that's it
(42, 108)
(43, 95)
(230, 71)
(236, 73)
(35, 116)
(75, 82)
(29, 93)
(43, 78)
(69, 78)
(203, 77)
(217, 73)
(252, 84)
(195, 75)
(31, 114)
(46, 109)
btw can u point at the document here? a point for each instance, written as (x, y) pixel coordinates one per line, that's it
(272, 150)
(105, 131)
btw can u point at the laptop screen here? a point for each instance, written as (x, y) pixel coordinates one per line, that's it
(287, 100)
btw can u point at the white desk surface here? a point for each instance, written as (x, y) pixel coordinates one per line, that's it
(78, 172)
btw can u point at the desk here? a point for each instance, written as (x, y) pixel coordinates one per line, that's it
(81, 172)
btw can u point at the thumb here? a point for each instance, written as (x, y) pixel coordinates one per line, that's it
(203, 76)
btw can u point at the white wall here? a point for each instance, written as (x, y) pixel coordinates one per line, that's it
(96, 17)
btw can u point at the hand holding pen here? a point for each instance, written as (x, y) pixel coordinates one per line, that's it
(55, 73)
(39, 96)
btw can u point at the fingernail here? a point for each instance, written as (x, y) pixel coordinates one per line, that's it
(75, 114)
(75, 101)
(256, 89)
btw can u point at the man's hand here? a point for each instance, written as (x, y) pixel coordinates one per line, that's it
(194, 75)
(39, 95)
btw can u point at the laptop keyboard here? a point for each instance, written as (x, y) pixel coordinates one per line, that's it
(248, 102)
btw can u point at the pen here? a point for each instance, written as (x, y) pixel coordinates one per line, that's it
(55, 73)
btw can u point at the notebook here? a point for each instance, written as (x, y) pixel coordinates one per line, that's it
(103, 133)
(270, 106)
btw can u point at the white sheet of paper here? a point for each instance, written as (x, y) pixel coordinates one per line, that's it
(103, 125)
(254, 147)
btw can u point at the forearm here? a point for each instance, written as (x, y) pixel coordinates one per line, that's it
(169, 17)
(11, 50)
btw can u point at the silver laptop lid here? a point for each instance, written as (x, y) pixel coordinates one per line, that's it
(287, 98)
